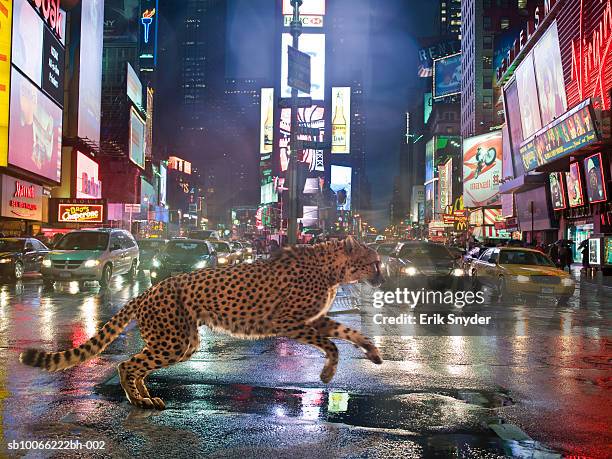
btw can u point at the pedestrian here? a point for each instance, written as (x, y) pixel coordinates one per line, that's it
(553, 253)
(565, 257)
(584, 249)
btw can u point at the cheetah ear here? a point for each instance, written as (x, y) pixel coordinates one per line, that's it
(350, 245)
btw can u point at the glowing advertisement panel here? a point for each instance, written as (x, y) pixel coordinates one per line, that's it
(80, 213)
(266, 125)
(163, 184)
(314, 45)
(313, 117)
(137, 139)
(482, 169)
(88, 185)
(549, 74)
(528, 97)
(341, 120)
(574, 186)
(28, 30)
(5, 77)
(557, 191)
(341, 179)
(445, 185)
(595, 181)
(90, 81)
(447, 76)
(134, 86)
(35, 134)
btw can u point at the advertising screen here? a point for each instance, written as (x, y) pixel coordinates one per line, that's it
(574, 130)
(557, 191)
(137, 139)
(268, 193)
(121, 22)
(595, 251)
(149, 20)
(148, 193)
(314, 45)
(608, 251)
(90, 83)
(341, 120)
(528, 97)
(533, 210)
(595, 181)
(266, 132)
(549, 74)
(445, 185)
(80, 213)
(429, 160)
(427, 106)
(447, 76)
(163, 184)
(575, 194)
(341, 185)
(28, 30)
(88, 185)
(482, 168)
(515, 128)
(312, 117)
(5, 79)
(134, 86)
(21, 199)
(53, 67)
(35, 135)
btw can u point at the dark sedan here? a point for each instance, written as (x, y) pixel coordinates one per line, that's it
(182, 256)
(424, 264)
(19, 256)
(148, 249)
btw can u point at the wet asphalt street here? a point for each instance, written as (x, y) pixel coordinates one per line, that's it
(540, 389)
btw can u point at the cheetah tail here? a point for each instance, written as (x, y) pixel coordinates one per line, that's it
(56, 361)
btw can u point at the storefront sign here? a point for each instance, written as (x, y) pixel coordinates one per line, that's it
(50, 11)
(6, 18)
(21, 199)
(570, 132)
(80, 213)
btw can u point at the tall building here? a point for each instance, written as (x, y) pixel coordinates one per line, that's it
(450, 18)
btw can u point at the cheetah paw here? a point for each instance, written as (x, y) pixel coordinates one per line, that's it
(374, 356)
(150, 403)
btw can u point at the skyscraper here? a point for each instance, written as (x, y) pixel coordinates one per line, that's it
(450, 18)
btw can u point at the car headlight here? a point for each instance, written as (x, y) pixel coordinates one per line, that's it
(409, 271)
(200, 264)
(521, 278)
(5, 260)
(222, 260)
(458, 272)
(249, 250)
(46, 263)
(153, 274)
(91, 263)
(155, 262)
(567, 282)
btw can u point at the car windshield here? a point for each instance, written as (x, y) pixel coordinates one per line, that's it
(11, 245)
(83, 241)
(523, 257)
(187, 247)
(424, 251)
(237, 245)
(385, 249)
(221, 247)
(153, 244)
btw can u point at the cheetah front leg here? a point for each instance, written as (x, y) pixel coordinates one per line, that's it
(308, 335)
(332, 329)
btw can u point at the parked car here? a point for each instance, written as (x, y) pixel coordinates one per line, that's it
(239, 250)
(425, 264)
(91, 255)
(248, 250)
(204, 234)
(148, 249)
(384, 250)
(515, 270)
(182, 256)
(19, 256)
(226, 255)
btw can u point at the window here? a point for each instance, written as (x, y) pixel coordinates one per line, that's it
(487, 82)
(486, 254)
(487, 42)
(486, 22)
(38, 245)
(504, 23)
(487, 102)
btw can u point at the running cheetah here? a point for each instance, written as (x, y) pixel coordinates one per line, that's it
(288, 295)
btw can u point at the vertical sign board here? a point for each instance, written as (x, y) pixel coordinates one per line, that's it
(298, 75)
(266, 121)
(149, 12)
(341, 120)
(6, 13)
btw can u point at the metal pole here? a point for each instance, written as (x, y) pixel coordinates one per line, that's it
(296, 30)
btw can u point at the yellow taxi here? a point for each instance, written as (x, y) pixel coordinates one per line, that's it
(514, 270)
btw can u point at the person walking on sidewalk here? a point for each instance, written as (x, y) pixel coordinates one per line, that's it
(584, 249)
(553, 253)
(565, 257)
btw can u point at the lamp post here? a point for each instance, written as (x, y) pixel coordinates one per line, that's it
(296, 31)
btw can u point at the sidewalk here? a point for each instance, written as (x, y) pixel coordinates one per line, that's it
(598, 281)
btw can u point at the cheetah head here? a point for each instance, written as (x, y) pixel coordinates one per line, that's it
(361, 263)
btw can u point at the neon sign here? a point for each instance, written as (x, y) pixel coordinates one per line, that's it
(50, 10)
(147, 20)
(590, 53)
(76, 213)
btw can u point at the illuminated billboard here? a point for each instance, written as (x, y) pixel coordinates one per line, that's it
(447, 76)
(314, 45)
(148, 193)
(574, 186)
(313, 117)
(35, 134)
(482, 169)
(549, 75)
(595, 179)
(268, 193)
(528, 97)
(134, 86)
(80, 213)
(149, 17)
(90, 80)
(341, 120)
(88, 185)
(163, 184)
(557, 191)
(445, 185)
(341, 180)
(137, 139)
(28, 30)
(5, 78)
(266, 133)
(21, 199)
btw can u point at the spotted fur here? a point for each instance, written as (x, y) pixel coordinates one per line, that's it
(286, 296)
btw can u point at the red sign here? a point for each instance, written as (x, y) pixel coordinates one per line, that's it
(80, 213)
(50, 11)
(21, 199)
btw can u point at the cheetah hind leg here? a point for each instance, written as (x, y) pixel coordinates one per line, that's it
(132, 377)
(309, 335)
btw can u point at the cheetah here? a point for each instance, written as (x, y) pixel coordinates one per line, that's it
(288, 296)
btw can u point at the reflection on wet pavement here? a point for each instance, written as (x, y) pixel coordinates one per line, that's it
(434, 396)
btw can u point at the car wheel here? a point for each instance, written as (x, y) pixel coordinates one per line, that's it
(107, 273)
(133, 272)
(18, 271)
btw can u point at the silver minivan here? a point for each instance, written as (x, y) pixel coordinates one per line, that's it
(91, 255)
